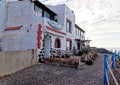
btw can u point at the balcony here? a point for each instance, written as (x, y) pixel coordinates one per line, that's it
(53, 27)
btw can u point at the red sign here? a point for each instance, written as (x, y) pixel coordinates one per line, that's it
(39, 35)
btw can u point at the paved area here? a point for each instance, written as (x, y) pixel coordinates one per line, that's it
(43, 74)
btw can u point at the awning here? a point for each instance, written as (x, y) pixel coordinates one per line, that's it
(85, 40)
(82, 40)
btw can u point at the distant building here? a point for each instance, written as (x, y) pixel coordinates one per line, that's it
(29, 24)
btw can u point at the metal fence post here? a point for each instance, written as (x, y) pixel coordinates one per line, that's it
(105, 68)
(115, 56)
(113, 60)
(119, 55)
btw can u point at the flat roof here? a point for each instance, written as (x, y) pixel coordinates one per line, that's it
(39, 4)
(79, 28)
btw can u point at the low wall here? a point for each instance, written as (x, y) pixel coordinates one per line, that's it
(13, 61)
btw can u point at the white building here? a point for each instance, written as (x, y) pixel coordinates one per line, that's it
(28, 24)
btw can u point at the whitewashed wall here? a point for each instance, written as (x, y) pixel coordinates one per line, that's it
(2, 16)
(21, 13)
(62, 39)
(63, 12)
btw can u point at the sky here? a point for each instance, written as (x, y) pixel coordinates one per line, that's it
(99, 18)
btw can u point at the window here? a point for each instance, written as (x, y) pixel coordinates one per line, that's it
(0, 48)
(76, 30)
(46, 14)
(68, 44)
(82, 36)
(0, 1)
(38, 11)
(69, 26)
(79, 33)
(78, 45)
(57, 43)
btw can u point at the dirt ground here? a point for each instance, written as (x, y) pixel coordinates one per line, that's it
(116, 73)
(44, 74)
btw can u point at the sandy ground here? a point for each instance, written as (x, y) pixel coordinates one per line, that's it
(44, 74)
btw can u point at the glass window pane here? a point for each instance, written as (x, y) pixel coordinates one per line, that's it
(79, 32)
(46, 14)
(68, 45)
(75, 30)
(69, 26)
(57, 43)
(38, 11)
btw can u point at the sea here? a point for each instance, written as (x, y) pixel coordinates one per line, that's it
(113, 48)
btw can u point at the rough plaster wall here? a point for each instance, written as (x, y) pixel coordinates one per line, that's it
(63, 13)
(2, 16)
(70, 15)
(59, 10)
(62, 39)
(13, 61)
(21, 13)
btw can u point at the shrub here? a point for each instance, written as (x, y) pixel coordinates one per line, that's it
(80, 52)
(85, 50)
(89, 62)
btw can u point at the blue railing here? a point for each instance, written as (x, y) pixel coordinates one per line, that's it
(110, 64)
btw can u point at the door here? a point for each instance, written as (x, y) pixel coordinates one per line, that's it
(47, 46)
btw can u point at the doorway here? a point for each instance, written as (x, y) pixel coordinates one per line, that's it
(47, 46)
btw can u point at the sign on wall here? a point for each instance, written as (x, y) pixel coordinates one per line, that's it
(39, 36)
(54, 25)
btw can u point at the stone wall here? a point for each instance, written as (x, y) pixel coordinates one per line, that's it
(12, 61)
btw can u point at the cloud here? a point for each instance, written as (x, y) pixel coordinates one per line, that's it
(54, 2)
(95, 16)
(43, 0)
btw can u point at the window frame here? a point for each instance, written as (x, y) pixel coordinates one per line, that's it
(70, 26)
(38, 13)
(70, 44)
(55, 45)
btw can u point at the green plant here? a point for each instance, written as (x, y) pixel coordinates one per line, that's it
(86, 50)
(80, 53)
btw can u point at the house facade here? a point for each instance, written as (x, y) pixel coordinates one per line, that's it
(29, 24)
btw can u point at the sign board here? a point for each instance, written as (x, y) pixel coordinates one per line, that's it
(55, 25)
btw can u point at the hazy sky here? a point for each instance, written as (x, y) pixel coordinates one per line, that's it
(99, 18)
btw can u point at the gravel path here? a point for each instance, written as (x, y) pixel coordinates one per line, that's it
(43, 74)
(116, 73)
